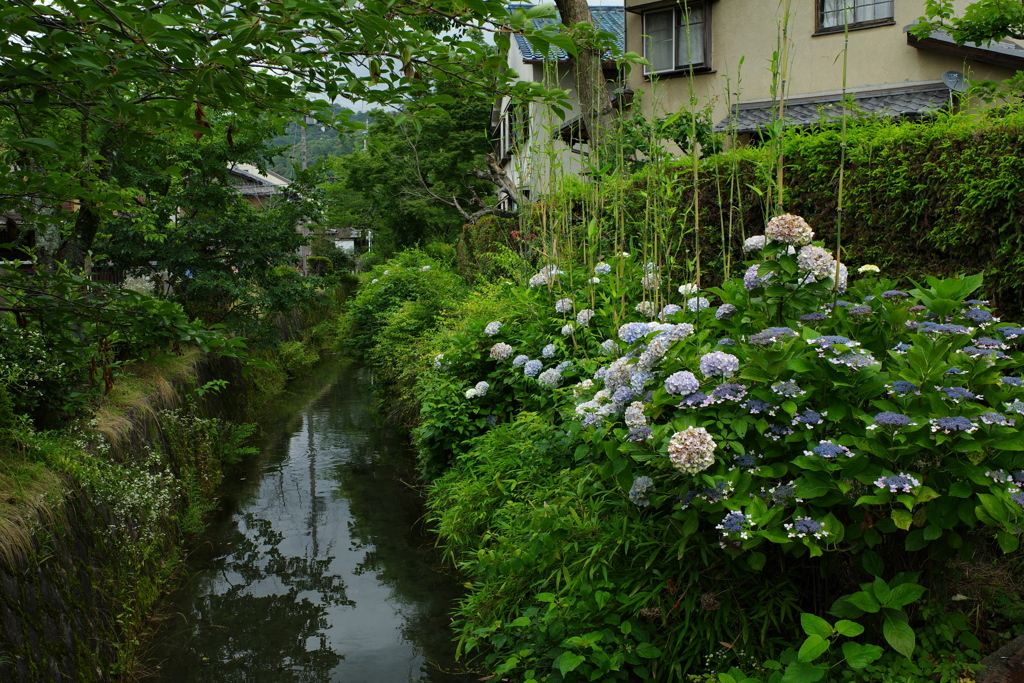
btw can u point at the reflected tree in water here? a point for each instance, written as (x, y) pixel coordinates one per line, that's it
(283, 602)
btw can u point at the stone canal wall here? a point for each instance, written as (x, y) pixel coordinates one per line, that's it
(103, 542)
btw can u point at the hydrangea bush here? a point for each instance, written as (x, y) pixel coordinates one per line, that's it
(799, 407)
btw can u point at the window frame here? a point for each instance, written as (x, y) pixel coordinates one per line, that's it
(821, 30)
(678, 14)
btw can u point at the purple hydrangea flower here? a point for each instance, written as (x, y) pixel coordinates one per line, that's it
(777, 431)
(639, 434)
(727, 392)
(756, 405)
(860, 311)
(623, 395)
(894, 294)
(989, 343)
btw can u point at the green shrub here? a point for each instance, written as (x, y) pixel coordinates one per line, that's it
(296, 357)
(319, 265)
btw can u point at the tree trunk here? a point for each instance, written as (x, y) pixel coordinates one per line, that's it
(596, 108)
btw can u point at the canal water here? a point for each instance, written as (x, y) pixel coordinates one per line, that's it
(318, 567)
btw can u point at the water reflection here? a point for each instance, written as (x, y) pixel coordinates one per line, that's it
(321, 571)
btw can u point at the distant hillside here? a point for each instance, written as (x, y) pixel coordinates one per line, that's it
(320, 142)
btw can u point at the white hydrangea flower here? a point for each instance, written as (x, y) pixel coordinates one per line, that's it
(492, 328)
(753, 243)
(692, 450)
(788, 229)
(482, 388)
(689, 289)
(816, 261)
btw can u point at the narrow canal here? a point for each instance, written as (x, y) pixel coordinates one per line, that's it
(318, 567)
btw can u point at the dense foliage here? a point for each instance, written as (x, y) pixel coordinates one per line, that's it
(623, 466)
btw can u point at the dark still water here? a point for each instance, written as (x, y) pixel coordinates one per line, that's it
(318, 568)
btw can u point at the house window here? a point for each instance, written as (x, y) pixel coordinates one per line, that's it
(834, 14)
(677, 38)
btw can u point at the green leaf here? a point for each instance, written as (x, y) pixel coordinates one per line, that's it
(813, 647)
(898, 633)
(568, 661)
(1007, 542)
(872, 563)
(756, 561)
(850, 629)
(859, 656)
(815, 625)
(864, 600)
(802, 672)
(881, 590)
(648, 651)
(904, 594)
(960, 489)
(902, 519)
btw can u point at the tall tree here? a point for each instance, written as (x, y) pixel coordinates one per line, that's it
(981, 22)
(81, 79)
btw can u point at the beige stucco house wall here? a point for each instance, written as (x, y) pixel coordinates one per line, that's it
(879, 59)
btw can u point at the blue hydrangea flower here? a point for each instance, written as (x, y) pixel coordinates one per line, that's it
(720, 491)
(1015, 406)
(694, 400)
(783, 494)
(789, 389)
(951, 425)
(955, 371)
(815, 317)
(902, 388)
(901, 348)
(531, 368)
(725, 311)
(719, 364)
(639, 434)
(549, 351)
(975, 352)
(725, 341)
(772, 335)
(777, 431)
(802, 527)
(997, 419)
(681, 383)
(550, 378)
(735, 523)
(752, 281)
(979, 316)
(608, 345)
(492, 328)
(898, 482)
(748, 460)
(808, 418)
(697, 303)
(564, 366)
(829, 342)
(642, 488)
(890, 419)
(1018, 498)
(631, 332)
(623, 395)
(727, 392)
(855, 360)
(602, 268)
(1012, 381)
(859, 311)
(639, 379)
(669, 309)
(1011, 332)
(829, 451)
(989, 343)
(563, 306)
(686, 499)
(957, 394)
(894, 294)
(756, 405)
(520, 360)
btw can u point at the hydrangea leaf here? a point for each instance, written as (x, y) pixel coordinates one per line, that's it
(904, 594)
(898, 633)
(859, 656)
(569, 661)
(1007, 542)
(802, 672)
